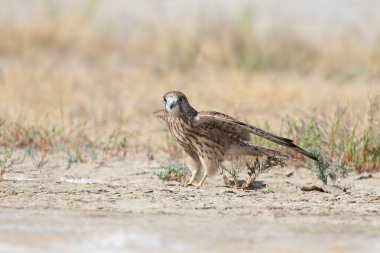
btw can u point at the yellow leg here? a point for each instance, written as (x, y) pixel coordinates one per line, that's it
(202, 181)
(192, 179)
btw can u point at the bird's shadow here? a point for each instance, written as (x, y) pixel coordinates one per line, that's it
(255, 185)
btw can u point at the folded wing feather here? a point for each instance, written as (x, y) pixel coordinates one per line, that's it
(227, 123)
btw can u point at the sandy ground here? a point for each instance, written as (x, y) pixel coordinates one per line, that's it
(120, 206)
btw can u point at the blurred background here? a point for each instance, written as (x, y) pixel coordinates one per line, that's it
(83, 157)
(91, 72)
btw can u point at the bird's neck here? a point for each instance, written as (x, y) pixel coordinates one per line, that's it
(185, 114)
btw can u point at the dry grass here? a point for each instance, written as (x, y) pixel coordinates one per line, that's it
(68, 85)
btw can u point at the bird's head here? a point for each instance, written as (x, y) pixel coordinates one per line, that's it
(175, 103)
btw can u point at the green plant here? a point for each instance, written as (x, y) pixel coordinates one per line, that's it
(254, 169)
(5, 160)
(172, 172)
(321, 166)
(347, 144)
(73, 157)
(327, 169)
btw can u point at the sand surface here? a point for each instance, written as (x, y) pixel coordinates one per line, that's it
(120, 206)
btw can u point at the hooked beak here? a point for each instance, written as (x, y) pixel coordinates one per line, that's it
(172, 104)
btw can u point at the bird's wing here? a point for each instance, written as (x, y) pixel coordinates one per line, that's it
(222, 122)
(160, 114)
(209, 119)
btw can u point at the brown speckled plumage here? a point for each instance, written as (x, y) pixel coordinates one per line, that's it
(207, 137)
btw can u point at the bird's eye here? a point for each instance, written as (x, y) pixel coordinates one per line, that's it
(165, 100)
(180, 99)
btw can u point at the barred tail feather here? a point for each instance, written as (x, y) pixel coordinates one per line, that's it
(267, 151)
(280, 140)
(246, 148)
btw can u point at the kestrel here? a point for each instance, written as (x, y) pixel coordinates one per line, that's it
(207, 137)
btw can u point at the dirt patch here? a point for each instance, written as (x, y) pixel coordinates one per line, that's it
(117, 205)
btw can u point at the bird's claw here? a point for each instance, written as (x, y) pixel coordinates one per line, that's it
(191, 180)
(199, 185)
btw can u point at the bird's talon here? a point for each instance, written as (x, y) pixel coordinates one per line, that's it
(199, 185)
(191, 180)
